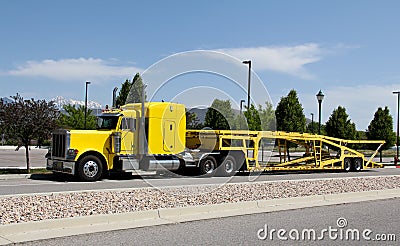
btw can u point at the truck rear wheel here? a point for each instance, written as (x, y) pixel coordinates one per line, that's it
(90, 168)
(228, 167)
(207, 165)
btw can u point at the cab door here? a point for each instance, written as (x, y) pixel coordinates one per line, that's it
(128, 129)
(169, 136)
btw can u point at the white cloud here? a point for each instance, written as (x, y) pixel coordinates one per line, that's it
(74, 69)
(284, 59)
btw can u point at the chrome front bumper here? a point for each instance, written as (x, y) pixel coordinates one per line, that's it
(61, 166)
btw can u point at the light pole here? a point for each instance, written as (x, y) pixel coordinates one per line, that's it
(248, 83)
(320, 97)
(397, 138)
(87, 83)
(240, 117)
(241, 106)
(312, 123)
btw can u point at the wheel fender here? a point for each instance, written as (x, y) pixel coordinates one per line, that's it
(87, 152)
(205, 155)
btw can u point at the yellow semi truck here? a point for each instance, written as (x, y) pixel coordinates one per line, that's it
(128, 140)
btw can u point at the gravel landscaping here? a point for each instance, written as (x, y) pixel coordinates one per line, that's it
(25, 208)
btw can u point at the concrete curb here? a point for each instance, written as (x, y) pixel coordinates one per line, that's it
(14, 176)
(31, 231)
(20, 168)
(17, 176)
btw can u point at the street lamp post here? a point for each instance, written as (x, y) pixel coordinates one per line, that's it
(312, 123)
(241, 109)
(397, 138)
(241, 106)
(320, 97)
(86, 92)
(248, 83)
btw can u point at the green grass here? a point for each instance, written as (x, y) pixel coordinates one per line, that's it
(24, 171)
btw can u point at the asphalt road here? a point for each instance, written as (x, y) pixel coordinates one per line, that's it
(349, 224)
(50, 183)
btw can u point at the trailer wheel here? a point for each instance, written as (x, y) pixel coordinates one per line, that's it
(347, 164)
(90, 168)
(228, 167)
(357, 164)
(207, 165)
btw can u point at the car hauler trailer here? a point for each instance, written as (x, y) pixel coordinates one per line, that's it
(248, 145)
(128, 140)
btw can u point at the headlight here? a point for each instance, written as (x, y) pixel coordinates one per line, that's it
(72, 153)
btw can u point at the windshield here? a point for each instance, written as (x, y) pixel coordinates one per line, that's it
(107, 122)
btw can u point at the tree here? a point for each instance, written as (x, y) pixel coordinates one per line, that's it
(131, 91)
(340, 126)
(289, 115)
(123, 93)
(220, 115)
(135, 92)
(192, 121)
(253, 118)
(26, 120)
(267, 117)
(74, 118)
(381, 128)
(312, 127)
(256, 119)
(240, 122)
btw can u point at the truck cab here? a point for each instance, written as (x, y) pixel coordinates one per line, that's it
(125, 140)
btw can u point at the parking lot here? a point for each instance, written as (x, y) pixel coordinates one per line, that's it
(9, 158)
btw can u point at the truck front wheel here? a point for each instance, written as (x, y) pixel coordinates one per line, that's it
(90, 168)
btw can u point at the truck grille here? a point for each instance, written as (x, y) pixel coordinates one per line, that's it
(60, 143)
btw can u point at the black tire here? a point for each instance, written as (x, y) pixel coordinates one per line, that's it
(347, 164)
(357, 164)
(207, 165)
(90, 168)
(228, 167)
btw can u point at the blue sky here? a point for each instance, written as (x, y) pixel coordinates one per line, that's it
(348, 49)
